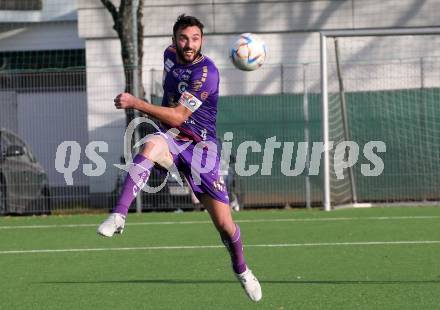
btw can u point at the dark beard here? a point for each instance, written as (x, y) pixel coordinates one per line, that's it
(180, 54)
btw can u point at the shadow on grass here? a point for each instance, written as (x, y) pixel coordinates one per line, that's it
(351, 282)
(295, 282)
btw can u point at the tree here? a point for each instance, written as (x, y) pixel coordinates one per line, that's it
(123, 25)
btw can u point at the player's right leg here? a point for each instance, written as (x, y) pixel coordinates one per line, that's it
(155, 150)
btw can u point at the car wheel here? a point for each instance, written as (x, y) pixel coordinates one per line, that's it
(41, 205)
(3, 200)
(45, 202)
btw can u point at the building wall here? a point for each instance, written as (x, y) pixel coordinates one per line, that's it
(45, 120)
(51, 10)
(53, 27)
(44, 117)
(41, 36)
(290, 30)
(224, 16)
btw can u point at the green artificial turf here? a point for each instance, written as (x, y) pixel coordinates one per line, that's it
(379, 258)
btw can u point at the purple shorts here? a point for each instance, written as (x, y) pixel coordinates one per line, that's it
(200, 164)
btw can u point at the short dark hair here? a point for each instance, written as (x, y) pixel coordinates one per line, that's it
(184, 21)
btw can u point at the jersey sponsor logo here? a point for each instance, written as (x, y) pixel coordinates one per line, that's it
(185, 77)
(182, 86)
(190, 101)
(168, 64)
(204, 73)
(177, 72)
(204, 95)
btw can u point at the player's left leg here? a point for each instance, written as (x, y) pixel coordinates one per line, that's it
(230, 234)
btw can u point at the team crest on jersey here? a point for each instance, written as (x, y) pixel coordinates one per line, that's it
(182, 86)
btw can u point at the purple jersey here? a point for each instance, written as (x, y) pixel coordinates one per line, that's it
(194, 85)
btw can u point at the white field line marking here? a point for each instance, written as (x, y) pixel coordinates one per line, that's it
(193, 247)
(378, 218)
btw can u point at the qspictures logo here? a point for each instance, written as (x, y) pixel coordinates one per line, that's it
(346, 154)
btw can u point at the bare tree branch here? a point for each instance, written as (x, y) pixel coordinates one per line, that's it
(123, 25)
(111, 8)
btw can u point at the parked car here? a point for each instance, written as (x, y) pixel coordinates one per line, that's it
(23, 182)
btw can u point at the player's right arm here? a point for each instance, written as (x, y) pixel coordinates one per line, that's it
(173, 116)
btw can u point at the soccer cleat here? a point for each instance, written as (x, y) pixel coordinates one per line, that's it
(114, 224)
(250, 284)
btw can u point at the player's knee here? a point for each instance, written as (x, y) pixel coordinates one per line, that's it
(225, 227)
(156, 150)
(147, 152)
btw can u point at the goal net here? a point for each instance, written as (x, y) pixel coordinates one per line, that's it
(381, 116)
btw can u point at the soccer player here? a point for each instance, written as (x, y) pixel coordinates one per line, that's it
(187, 137)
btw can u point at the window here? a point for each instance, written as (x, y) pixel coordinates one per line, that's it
(15, 140)
(14, 5)
(37, 60)
(3, 144)
(41, 71)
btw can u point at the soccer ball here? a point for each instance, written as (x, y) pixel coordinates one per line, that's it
(248, 52)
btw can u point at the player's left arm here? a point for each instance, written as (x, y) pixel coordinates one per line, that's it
(173, 116)
(204, 81)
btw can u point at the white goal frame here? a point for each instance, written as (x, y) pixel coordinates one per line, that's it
(324, 84)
